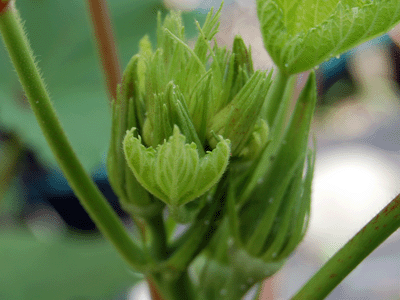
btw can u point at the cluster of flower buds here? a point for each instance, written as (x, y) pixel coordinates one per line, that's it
(186, 118)
(268, 207)
(187, 113)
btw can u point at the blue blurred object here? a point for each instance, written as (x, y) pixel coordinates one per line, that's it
(49, 187)
(336, 68)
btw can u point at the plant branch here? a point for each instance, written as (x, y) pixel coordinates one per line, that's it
(359, 247)
(90, 197)
(3, 5)
(103, 32)
(155, 295)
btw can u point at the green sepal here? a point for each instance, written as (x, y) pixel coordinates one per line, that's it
(169, 109)
(199, 105)
(278, 236)
(257, 141)
(299, 34)
(128, 112)
(293, 139)
(301, 211)
(174, 172)
(263, 209)
(236, 121)
(261, 213)
(225, 266)
(133, 198)
(180, 116)
(242, 56)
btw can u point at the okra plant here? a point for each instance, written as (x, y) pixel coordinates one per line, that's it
(202, 155)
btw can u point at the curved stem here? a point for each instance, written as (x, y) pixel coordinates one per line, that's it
(103, 32)
(359, 247)
(90, 197)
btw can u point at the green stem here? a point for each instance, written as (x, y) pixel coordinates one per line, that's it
(359, 247)
(200, 233)
(156, 227)
(174, 288)
(85, 189)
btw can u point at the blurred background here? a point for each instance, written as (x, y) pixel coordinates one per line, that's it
(49, 248)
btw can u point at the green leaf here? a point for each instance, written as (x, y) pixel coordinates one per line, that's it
(300, 34)
(60, 268)
(174, 172)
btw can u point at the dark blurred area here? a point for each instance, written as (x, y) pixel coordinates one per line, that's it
(49, 188)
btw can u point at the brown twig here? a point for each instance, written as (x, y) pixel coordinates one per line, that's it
(100, 17)
(3, 6)
(155, 295)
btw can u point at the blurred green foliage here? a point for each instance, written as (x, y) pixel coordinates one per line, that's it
(60, 269)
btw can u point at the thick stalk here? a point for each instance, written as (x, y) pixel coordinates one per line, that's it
(166, 287)
(90, 197)
(346, 259)
(158, 243)
(103, 32)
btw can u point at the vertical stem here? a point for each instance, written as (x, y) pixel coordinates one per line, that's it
(102, 26)
(89, 195)
(158, 237)
(171, 288)
(346, 259)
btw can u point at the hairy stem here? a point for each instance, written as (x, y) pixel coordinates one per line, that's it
(359, 247)
(103, 32)
(90, 197)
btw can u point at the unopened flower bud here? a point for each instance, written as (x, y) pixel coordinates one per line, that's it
(237, 120)
(174, 172)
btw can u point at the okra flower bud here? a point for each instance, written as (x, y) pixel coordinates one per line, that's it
(236, 121)
(270, 221)
(190, 133)
(185, 116)
(174, 172)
